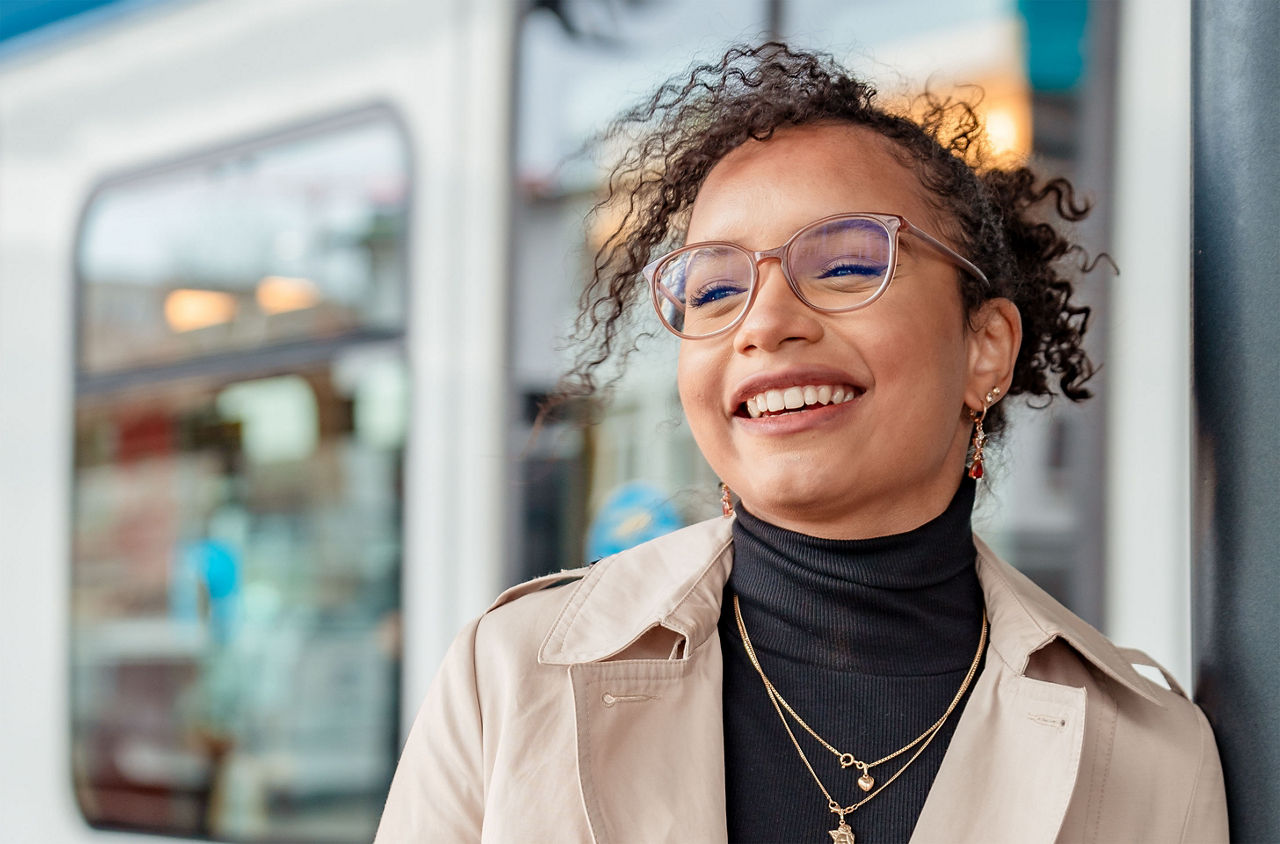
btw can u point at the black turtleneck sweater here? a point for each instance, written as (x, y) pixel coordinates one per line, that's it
(868, 640)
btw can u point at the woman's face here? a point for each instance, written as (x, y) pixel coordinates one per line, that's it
(889, 459)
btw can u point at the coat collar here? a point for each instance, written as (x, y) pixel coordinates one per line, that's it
(1024, 619)
(676, 581)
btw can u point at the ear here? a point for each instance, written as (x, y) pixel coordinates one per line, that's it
(995, 335)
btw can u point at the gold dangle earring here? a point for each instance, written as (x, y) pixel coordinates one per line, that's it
(979, 435)
(726, 503)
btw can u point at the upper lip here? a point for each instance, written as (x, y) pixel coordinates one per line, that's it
(780, 379)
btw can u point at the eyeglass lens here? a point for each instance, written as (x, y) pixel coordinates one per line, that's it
(835, 265)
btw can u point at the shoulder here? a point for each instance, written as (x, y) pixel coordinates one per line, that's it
(1036, 636)
(519, 618)
(1029, 626)
(1149, 766)
(1142, 738)
(592, 613)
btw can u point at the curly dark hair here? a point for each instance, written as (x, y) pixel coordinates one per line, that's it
(995, 214)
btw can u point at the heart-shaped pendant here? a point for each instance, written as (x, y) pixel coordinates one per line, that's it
(866, 782)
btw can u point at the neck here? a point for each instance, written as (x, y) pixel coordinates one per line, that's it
(906, 603)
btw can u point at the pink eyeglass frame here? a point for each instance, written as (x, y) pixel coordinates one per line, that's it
(894, 224)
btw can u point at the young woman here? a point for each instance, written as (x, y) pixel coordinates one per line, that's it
(855, 295)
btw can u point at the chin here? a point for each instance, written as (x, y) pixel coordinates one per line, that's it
(804, 501)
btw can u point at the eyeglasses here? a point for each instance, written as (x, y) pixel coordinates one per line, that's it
(833, 265)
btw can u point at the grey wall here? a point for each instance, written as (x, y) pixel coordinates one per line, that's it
(1236, 79)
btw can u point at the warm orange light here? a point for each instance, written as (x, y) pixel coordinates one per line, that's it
(1007, 131)
(981, 62)
(277, 294)
(187, 309)
(1003, 107)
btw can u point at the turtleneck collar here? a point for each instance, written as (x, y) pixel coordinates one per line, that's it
(906, 604)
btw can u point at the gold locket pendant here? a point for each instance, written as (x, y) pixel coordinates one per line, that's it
(842, 834)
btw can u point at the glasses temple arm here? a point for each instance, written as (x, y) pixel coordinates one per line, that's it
(951, 254)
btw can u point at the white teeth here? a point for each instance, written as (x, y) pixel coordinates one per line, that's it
(793, 398)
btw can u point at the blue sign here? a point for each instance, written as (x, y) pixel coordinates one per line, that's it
(635, 512)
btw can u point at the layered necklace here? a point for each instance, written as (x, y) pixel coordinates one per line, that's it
(843, 834)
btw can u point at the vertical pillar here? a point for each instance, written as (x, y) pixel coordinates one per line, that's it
(1148, 363)
(1236, 388)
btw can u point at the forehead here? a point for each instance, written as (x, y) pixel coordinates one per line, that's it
(765, 190)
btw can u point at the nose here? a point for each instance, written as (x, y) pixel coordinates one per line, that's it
(777, 316)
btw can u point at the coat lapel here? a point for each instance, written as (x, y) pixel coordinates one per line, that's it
(649, 730)
(651, 748)
(650, 735)
(1011, 768)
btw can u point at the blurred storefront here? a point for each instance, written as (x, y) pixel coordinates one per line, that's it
(240, 420)
(1041, 74)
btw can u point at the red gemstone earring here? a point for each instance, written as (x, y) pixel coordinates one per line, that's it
(726, 503)
(979, 435)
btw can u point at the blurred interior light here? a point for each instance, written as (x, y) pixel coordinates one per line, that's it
(277, 294)
(186, 309)
(279, 417)
(1003, 105)
(943, 62)
(1006, 129)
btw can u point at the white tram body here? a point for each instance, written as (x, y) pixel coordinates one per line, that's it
(164, 84)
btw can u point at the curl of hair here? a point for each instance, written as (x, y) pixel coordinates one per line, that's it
(1002, 218)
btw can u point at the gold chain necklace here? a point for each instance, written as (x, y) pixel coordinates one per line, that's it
(842, 834)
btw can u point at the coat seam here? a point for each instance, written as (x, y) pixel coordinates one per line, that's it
(486, 775)
(585, 778)
(1195, 784)
(1099, 793)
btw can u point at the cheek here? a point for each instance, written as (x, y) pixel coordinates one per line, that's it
(685, 378)
(699, 389)
(923, 361)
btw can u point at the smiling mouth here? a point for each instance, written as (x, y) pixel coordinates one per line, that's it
(796, 399)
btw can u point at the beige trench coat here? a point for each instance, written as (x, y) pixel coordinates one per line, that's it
(591, 712)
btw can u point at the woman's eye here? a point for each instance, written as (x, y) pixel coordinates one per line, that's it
(707, 294)
(847, 268)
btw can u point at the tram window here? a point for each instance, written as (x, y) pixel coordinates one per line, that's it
(271, 243)
(617, 483)
(237, 500)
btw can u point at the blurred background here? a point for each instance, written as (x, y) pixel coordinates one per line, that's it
(283, 284)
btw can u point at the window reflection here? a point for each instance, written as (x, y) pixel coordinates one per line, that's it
(236, 601)
(237, 522)
(271, 243)
(578, 64)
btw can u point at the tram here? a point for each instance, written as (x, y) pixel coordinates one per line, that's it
(229, 232)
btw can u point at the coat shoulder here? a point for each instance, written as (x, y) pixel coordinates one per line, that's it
(520, 616)
(1144, 742)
